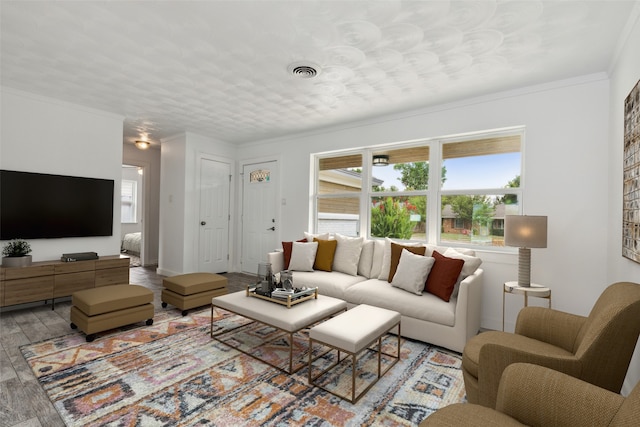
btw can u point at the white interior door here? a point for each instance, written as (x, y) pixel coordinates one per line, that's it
(215, 182)
(259, 201)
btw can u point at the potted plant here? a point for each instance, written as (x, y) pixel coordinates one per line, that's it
(16, 253)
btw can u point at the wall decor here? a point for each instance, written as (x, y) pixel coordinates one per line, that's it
(631, 177)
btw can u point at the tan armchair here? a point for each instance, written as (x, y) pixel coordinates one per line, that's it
(596, 349)
(537, 396)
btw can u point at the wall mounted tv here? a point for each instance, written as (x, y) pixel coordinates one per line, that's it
(42, 206)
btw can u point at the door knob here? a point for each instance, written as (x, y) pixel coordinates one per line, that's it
(272, 228)
(203, 222)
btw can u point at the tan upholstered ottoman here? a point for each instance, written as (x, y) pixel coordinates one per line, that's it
(192, 290)
(108, 307)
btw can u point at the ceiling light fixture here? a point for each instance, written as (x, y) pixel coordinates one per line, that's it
(304, 70)
(380, 160)
(142, 145)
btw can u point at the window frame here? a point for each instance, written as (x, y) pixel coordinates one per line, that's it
(133, 205)
(433, 193)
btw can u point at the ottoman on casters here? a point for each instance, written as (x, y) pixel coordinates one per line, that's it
(192, 290)
(108, 307)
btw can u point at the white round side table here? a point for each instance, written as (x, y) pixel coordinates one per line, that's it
(534, 290)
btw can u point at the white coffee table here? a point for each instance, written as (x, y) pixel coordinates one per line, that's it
(288, 320)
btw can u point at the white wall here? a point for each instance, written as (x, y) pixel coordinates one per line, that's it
(179, 198)
(566, 142)
(48, 136)
(150, 161)
(624, 77)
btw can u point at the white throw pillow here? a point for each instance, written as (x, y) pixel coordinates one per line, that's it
(412, 272)
(347, 254)
(303, 256)
(309, 236)
(366, 259)
(471, 263)
(376, 262)
(386, 257)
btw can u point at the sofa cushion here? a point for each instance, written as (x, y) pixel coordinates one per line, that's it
(380, 293)
(396, 251)
(303, 255)
(366, 258)
(443, 276)
(412, 271)
(471, 263)
(331, 284)
(310, 236)
(347, 254)
(325, 254)
(378, 255)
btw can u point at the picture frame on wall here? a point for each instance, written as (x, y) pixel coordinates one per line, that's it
(631, 177)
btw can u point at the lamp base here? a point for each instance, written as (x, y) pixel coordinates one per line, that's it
(524, 267)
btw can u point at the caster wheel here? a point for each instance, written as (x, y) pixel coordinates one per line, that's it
(164, 305)
(74, 326)
(91, 337)
(149, 322)
(184, 312)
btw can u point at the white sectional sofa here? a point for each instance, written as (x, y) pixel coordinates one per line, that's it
(425, 317)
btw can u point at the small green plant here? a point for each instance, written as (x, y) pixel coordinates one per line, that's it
(16, 248)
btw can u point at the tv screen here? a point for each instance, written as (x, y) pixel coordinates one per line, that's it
(39, 206)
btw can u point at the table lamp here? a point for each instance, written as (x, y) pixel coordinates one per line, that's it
(525, 232)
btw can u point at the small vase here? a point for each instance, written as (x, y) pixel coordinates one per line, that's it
(16, 261)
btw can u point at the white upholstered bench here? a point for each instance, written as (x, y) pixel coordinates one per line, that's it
(352, 332)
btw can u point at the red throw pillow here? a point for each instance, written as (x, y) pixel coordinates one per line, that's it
(396, 251)
(286, 248)
(443, 276)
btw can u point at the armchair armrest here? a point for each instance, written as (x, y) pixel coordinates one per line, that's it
(551, 326)
(496, 357)
(554, 398)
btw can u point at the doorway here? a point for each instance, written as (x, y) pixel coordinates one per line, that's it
(259, 200)
(132, 213)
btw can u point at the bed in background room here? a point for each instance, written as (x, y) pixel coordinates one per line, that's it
(131, 243)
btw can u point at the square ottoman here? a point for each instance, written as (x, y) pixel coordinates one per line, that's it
(108, 307)
(192, 290)
(354, 332)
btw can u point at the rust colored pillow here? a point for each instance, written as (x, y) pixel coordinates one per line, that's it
(324, 256)
(443, 276)
(396, 251)
(286, 248)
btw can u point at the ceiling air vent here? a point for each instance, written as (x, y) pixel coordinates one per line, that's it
(304, 70)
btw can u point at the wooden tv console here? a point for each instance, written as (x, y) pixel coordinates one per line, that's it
(48, 280)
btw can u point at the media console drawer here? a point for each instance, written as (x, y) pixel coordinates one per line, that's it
(46, 280)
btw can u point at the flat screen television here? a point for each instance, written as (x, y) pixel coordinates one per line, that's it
(44, 206)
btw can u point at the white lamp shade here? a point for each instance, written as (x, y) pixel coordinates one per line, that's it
(525, 231)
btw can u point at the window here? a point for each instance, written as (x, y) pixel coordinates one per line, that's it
(128, 201)
(444, 190)
(481, 185)
(339, 185)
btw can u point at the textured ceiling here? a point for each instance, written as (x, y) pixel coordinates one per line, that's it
(220, 68)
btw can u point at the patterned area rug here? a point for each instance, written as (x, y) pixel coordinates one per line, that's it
(173, 373)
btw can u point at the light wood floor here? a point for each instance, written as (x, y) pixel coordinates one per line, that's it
(22, 401)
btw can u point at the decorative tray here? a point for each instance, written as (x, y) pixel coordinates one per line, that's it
(287, 299)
